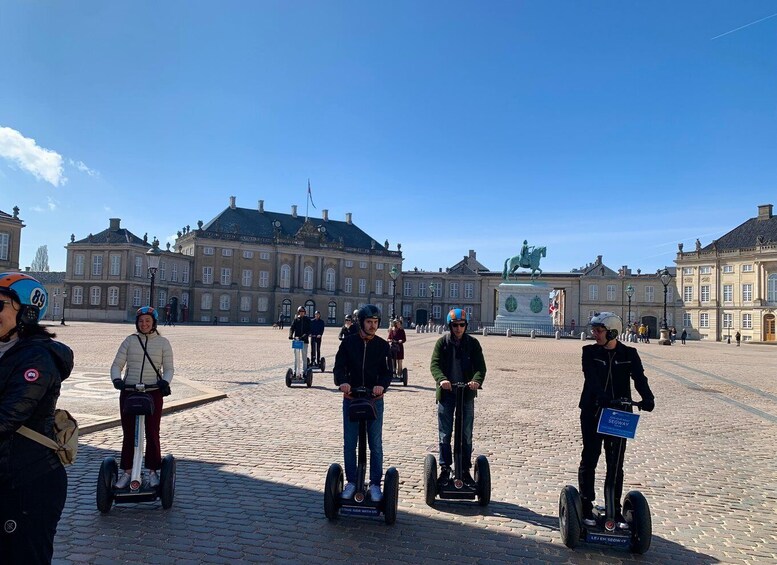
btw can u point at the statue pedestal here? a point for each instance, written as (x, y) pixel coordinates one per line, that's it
(664, 337)
(523, 307)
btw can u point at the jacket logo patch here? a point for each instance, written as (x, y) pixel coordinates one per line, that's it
(622, 362)
(9, 526)
(31, 375)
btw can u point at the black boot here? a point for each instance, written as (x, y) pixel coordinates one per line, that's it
(445, 474)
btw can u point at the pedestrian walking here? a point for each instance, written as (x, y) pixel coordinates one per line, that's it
(683, 336)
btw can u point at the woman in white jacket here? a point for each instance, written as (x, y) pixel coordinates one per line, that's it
(148, 358)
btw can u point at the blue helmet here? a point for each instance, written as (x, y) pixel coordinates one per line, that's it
(29, 293)
(456, 314)
(146, 310)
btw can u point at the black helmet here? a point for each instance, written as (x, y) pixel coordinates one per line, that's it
(368, 311)
(348, 318)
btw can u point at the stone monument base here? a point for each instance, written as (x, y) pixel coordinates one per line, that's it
(523, 307)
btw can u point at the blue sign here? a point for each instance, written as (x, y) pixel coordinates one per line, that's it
(296, 344)
(618, 423)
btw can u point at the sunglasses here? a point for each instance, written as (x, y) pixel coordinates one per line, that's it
(3, 303)
(458, 324)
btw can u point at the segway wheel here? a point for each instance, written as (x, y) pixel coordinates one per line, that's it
(637, 514)
(404, 377)
(483, 480)
(309, 378)
(322, 365)
(167, 481)
(570, 512)
(333, 490)
(430, 479)
(289, 375)
(109, 473)
(390, 495)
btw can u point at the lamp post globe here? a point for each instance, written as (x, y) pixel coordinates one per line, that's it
(666, 278)
(153, 257)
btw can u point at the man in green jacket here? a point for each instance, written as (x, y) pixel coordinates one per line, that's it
(457, 358)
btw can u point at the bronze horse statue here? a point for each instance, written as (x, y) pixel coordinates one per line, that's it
(533, 262)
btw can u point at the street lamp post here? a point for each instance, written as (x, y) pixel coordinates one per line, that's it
(431, 308)
(153, 256)
(666, 278)
(394, 273)
(629, 294)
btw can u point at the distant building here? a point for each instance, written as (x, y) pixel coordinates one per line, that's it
(10, 240)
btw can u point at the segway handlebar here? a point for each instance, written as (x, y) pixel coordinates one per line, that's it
(623, 402)
(141, 387)
(361, 392)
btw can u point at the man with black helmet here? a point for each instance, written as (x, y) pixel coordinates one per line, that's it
(316, 333)
(300, 329)
(608, 368)
(362, 361)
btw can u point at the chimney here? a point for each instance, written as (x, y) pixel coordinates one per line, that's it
(232, 202)
(472, 254)
(348, 218)
(261, 206)
(764, 211)
(115, 224)
(293, 210)
(325, 214)
(598, 259)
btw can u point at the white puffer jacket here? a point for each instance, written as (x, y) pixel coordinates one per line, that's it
(131, 355)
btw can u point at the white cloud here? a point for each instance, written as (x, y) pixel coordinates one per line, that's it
(44, 164)
(52, 203)
(81, 166)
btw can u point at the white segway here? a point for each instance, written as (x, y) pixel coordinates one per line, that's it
(297, 375)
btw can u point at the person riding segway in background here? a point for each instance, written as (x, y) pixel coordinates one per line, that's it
(148, 359)
(33, 482)
(300, 329)
(362, 361)
(608, 368)
(316, 333)
(345, 331)
(457, 357)
(397, 339)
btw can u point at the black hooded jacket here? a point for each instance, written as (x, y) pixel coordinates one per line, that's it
(31, 374)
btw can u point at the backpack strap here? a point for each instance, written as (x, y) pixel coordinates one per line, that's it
(40, 438)
(145, 352)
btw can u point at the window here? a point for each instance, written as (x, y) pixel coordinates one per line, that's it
(226, 276)
(747, 292)
(285, 276)
(113, 296)
(4, 245)
(728, 320)
(248, 277)
(593, 292)
(331, 312)
(747, 268)
(224, 302)
(261, 304)
(704, 320)
(207, 275)
(115, 265)
(264, 255)
(669, 294)
(174, 273)
(226, 253)
(362, 286)
(207, 301)
(469, 290)
(307, 278)
(362, 264)
(687, 270)
(747, 321)
(329, 279)
(248, 254)
(161, 300)
(610, 292)
(687, 293)
(438, 290)
(453, 290)
(136, 296)
(78, 295)
(138, 266)
(97, 265)
(705, 270)
(264, 279)
(347, 307)
(378, 266)
(705, 293)
(728, 293)
(245, 303)
(407, 288)
(207, 251)
(162, 270)
(185, 274)
(650, 293)
(94, 296)
(771, 288)
(686, 319)
(348, 288)
(378, 286)
(728, 268)
(407, 311)
(78, 269)
(421, 290)
(185, 299)
(348, 263)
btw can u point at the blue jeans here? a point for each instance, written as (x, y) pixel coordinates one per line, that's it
(446, 409)
(374, 439)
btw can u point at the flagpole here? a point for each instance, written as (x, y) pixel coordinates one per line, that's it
(307, 202)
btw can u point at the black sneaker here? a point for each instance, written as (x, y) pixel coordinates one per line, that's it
(467, 478)
(445, 474)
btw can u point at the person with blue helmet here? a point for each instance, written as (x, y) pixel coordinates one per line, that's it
(457, 357)
(145, 357)
(33, 482)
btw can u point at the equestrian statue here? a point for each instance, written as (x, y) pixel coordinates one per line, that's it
(529, 258)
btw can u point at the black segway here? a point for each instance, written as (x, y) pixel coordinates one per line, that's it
(455, 488)
(361, 504)
(297, 375)
(138, 489)
(637, 535)
(321, 363)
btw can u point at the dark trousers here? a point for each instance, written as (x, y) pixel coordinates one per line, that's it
(614, 451)
(153, 447)
(29, 515)
(446, 410)
(315, 349)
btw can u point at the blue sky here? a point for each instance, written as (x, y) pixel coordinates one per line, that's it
(614, 128)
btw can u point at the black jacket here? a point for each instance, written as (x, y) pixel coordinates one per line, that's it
(31, 373)
(363, 363)
(621, 365)
(300, 328)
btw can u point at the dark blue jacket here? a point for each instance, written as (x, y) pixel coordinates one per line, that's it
(362, 363)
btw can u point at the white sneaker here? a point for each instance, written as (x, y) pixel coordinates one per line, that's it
(153, 479)
(348, 491)
(375, 494)
(589, 522)
(124, 480)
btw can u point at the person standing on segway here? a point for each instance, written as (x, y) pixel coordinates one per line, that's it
(457, 357)
(345, 331)
(316, 333)
(362, 361)
(300, 329)
(148, 359)
(608, 368)
(396, 339)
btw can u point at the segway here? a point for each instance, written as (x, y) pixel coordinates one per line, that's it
(321, 364)
(361, 504)
(297, 375)
(636, 512)
(456, 488)
(138, 489)
(396, 375)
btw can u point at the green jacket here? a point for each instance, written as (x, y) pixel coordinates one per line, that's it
(473, 364)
